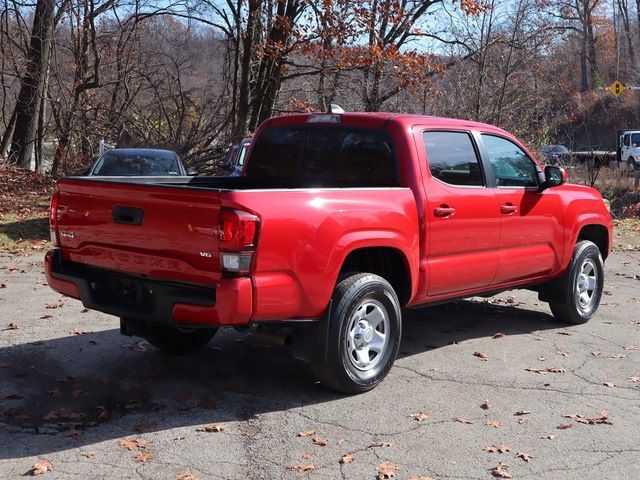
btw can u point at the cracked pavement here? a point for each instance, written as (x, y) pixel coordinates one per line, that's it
(65, 394)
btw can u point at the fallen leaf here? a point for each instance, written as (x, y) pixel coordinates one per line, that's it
(549, 437)
(492, 423)
(522, 420)
(306, 433)
(2, 285)
(133, 443)
(563, 354)
(463, 420)
(380, 444)
(485, 405)
(522, 412)
(214, 427)
(631, 347)
(143, 457)
(524, 456)
(43, 466)
(12, 326)
(543, 370)
(186, 476)
(84, 310)
(89, 454)
(635, 378)
(347, 458)
(303, 467)
(609, 384)
(77, 331)
(499, 471)
(498, 335)
(387, 469)
(596, 354)
(54, 305)
(319, 441)
(420, 416)
(481, 355)
(564, 333)
(45, 317)
(564, 426)
(500, 448)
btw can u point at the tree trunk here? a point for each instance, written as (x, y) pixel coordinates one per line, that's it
(8, 135)
(28, 102)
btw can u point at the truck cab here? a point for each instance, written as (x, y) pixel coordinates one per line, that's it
(629, 148)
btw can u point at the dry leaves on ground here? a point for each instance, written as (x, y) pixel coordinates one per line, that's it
(306, 433)
(347, 458)
(500, 471)
(500, 448)
(214, 427)
(88, 454)
(522, 412)
(133, 443)
(485, 405)
(303, 467)
(143, 457)
(480, 355)
(546, 370)
(463, 420)
(635, 378)
(524, 456)
(564, 426)
(43, 466)
(498, 335)
(420, 416)
(493, 423)
(186, 476)
(603, 419)
(54, 305)
(387, 469)
(12, 326)
(319, 441)
(380, 444)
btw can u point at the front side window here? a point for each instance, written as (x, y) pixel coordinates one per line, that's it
(625, 140)
(511, 166)
(452, 158)
(635, 139)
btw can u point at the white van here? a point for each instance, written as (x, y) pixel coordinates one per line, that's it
(629, 148)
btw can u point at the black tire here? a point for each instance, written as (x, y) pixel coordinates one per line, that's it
(366, 297)
(173, 340)
(566, 305)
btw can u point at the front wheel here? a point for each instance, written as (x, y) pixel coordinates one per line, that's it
(580, 288)
(631, 164)
(365, 326)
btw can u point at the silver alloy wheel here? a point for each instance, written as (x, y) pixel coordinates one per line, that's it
(368, 332)
(586, 285)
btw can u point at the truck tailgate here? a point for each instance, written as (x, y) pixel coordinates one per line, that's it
(166, 232)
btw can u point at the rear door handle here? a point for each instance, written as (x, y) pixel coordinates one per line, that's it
(444, 211)
(508, 209)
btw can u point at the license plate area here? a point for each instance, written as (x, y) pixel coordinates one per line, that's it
(130, 293)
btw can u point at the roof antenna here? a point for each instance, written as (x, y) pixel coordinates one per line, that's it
(335, 108)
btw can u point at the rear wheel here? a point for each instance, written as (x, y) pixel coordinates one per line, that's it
(172, 339)
(364, 334)
(580, 288)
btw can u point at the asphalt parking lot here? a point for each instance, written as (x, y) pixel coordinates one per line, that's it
(559, 401)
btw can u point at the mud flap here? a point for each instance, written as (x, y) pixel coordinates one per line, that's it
(311, 339)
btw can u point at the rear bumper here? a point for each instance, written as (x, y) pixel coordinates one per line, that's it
(229, 302)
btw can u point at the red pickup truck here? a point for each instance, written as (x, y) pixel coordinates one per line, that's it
(338, 223)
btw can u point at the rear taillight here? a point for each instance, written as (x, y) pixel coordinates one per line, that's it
(53, 218)
(238, 233)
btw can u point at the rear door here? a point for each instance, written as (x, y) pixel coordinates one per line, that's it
(167, 232)
(531, 232)
(462, 223)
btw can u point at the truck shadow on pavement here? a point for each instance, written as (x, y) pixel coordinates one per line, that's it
(77, 390)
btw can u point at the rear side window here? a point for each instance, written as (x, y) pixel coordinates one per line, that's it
(324, 156)
(452, 158)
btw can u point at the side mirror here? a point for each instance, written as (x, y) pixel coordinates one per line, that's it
(191, 172)
(554, 176)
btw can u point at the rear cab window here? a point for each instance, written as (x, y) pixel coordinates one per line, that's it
(452, 158)
(325, 156)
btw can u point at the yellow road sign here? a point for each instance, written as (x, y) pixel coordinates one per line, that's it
(617, 88)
